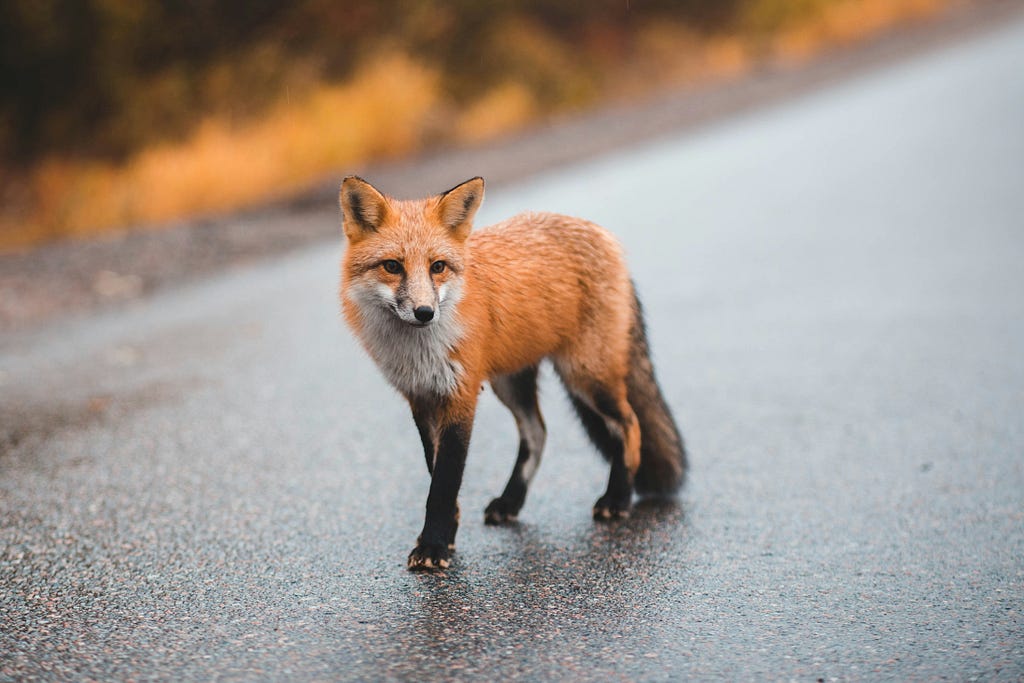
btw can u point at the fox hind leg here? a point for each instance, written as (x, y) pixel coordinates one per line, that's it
(613, 428)
(518, 391)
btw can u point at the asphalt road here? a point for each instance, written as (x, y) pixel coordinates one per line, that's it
(215, 484)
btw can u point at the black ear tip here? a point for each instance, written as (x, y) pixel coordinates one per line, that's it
(474, 191)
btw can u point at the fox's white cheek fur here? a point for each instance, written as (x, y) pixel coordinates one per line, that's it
(370, 294)
(449, 294)
(385, 293)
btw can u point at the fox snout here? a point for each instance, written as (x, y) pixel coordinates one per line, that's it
(417, 301)
(417, 315)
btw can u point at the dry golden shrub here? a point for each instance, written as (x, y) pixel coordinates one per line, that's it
(395, 104)
(379, 113)
(506, 108)
(843, 22)
(525, 51)
(673, 54)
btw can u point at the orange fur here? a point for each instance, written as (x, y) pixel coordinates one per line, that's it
(537, 286)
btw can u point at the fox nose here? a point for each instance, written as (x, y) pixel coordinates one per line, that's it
(424, 313)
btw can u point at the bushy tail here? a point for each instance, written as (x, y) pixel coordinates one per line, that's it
(662, 453)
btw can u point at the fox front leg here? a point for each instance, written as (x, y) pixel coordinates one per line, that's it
(435, 544)
(426, 425)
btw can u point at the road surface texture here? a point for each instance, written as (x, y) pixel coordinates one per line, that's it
(215, 483)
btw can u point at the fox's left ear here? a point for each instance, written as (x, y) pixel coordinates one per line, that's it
(363, 207)
(457, 206)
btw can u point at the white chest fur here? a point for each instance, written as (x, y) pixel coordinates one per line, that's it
(415, 360)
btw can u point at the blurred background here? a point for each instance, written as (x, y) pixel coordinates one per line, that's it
(133, 113)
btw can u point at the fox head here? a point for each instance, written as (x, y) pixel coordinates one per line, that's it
(406, 259)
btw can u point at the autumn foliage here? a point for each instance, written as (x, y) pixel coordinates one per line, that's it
(136, 112)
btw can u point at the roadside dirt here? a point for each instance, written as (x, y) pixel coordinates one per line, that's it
(80, 277)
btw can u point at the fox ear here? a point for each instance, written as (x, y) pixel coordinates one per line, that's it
(457, 206)
(363, 207)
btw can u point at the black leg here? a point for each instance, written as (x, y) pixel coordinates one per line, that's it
(432, 549)
(505, 508)
(425, 425)
(618, 496)
(519, 394)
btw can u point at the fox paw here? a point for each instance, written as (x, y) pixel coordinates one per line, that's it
(430, 557)
(607, 508)
(500, 511)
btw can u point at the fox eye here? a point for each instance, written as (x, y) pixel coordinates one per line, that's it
(438, 267)
(392, 266)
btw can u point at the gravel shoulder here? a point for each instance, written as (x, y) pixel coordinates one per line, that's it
(74, 278)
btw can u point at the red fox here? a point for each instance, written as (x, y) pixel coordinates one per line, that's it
(442, 309)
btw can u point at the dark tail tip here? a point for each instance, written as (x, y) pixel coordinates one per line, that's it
(660, 473)
(663, 462)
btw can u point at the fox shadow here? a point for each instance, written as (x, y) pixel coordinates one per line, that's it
(601, 574)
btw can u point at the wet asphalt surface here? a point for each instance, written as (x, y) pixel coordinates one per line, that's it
(215, 484)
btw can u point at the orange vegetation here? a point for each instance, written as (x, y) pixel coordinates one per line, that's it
(395, 105)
